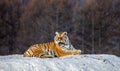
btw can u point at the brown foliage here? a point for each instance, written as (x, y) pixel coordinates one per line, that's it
(92, 25)
(9, 24)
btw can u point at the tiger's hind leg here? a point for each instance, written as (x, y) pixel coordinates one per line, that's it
(45, 56)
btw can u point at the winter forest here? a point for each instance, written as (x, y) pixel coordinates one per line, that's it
(92, 25)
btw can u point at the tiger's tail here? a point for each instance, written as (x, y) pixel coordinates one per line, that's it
(25, 54)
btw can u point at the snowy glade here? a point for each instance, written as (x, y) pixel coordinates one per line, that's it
(99, 62)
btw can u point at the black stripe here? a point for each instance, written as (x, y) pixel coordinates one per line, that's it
(32, 50)
(39, 45)
(45, 46)
(49, 50)
(28, 52)
(56, 55)
(53, 53)
(46, 49)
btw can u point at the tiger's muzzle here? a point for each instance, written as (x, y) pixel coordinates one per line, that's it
(61, 43)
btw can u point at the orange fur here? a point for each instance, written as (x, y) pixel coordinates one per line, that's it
(48, 50)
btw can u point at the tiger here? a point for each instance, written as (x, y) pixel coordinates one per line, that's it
(51, 49)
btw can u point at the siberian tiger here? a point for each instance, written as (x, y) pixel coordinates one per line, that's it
(51, 49)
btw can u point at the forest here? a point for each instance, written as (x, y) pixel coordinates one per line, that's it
(92, 25)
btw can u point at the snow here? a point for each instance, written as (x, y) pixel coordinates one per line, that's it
(99, 62)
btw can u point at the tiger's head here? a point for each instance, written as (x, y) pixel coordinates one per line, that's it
(61, 38)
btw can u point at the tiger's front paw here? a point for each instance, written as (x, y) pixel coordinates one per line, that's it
(78, 51)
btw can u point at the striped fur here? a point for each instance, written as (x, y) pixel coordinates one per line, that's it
(48, 50)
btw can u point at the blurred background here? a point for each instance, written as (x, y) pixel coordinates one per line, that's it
(92, 25)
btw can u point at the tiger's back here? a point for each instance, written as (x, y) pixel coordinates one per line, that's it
(40, 49)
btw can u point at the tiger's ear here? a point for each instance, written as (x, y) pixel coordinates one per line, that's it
(65, 33)
(56, 33)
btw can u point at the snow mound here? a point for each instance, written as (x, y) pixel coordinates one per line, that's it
(68, 63)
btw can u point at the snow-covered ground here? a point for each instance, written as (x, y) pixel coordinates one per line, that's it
(68, 63)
